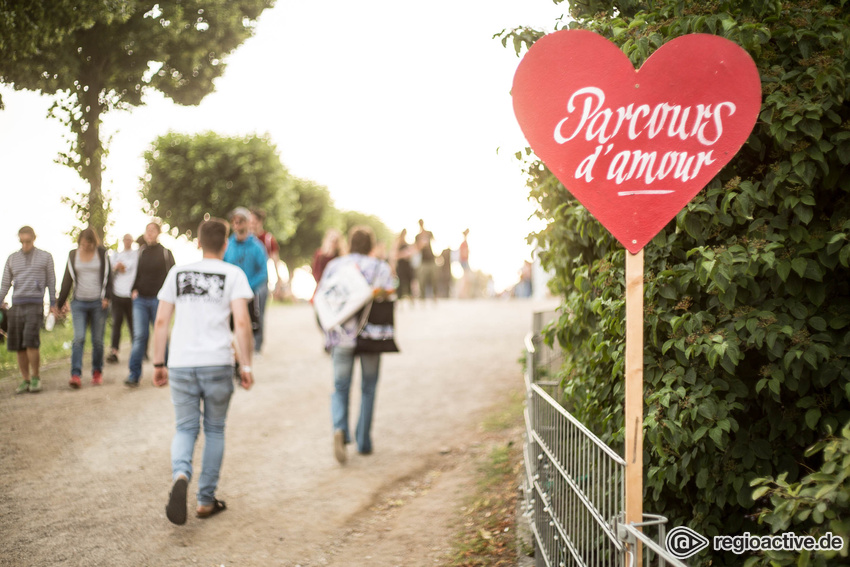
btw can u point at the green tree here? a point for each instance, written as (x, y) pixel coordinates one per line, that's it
(27, 27)
(314, 213)
(190, 176)
(383, 234)
(105, 62)
(747, 305)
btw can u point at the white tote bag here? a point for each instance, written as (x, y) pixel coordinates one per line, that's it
(341, 295)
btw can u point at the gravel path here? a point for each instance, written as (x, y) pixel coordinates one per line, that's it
(84, 475)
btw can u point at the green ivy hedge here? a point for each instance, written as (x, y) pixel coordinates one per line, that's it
(747, 293)
(820, 501)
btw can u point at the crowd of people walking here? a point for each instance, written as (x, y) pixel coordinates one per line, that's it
(424, 274)
(217, 306)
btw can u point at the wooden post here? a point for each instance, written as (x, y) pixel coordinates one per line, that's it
(634, 392)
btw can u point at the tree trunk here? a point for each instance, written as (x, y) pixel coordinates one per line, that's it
(88, 139)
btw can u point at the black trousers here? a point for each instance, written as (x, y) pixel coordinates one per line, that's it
(122, 309)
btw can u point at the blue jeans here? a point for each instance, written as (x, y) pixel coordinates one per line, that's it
(343, 367)
(261, 297)
(144, 315)
(87, 314)
(212, 385)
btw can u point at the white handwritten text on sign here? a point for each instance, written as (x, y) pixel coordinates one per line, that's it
(635, 146)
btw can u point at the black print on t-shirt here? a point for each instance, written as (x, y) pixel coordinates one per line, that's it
(200, 286)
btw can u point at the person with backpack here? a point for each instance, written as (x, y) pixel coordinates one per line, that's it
(155, 260)
(341, 341)
(88, 271)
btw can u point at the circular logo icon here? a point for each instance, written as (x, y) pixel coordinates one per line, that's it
(683, 542)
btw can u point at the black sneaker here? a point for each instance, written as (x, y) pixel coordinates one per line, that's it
(112, 358)
(175, 510)
(131, 383)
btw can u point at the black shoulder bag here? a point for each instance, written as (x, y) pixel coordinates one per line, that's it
(378, 334)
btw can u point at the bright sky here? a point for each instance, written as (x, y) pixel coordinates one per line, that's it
(401, 109)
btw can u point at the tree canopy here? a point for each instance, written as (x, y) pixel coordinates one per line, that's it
(28, 27)
(190, 176)
(314, 214)
(109, 57)
(383, 233)
(747, 300)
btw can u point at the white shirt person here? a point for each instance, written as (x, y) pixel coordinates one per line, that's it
(202, 296)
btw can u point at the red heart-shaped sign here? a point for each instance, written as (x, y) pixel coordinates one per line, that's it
(635, 146)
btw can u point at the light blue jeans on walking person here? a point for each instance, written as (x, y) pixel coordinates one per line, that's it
(144, 315)
(261, 296)
(211, 386)
(343, 368)
(85, 314)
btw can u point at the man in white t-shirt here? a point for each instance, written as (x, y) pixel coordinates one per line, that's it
(202, 296)
(124, 265)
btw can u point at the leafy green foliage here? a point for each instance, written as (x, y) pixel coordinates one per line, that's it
(747, 300)
(487, 532)
(820, 502)
(383, 234)
(314, 213)
(28, 26)
(52, 349)
(110, 56)
(190, 176)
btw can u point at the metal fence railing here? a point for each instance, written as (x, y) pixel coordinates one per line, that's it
(543, 360)
(574, 490)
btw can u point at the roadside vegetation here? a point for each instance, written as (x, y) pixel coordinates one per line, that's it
(487, 530)
(52, 349)
(747, 291)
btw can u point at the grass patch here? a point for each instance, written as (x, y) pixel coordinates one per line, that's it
(53, 346)
(488, 534)
(507, 416)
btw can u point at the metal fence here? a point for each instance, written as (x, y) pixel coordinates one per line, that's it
(574, 491)
(543, 361)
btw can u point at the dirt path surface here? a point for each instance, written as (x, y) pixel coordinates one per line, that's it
(84, 475)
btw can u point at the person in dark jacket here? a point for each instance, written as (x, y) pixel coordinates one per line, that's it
(90, 274)
(155, 260)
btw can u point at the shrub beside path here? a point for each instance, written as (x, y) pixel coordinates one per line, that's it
(84, 475)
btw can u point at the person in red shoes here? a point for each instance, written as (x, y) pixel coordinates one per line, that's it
(89, 273)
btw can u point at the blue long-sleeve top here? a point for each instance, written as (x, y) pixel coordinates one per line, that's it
(250, 255)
